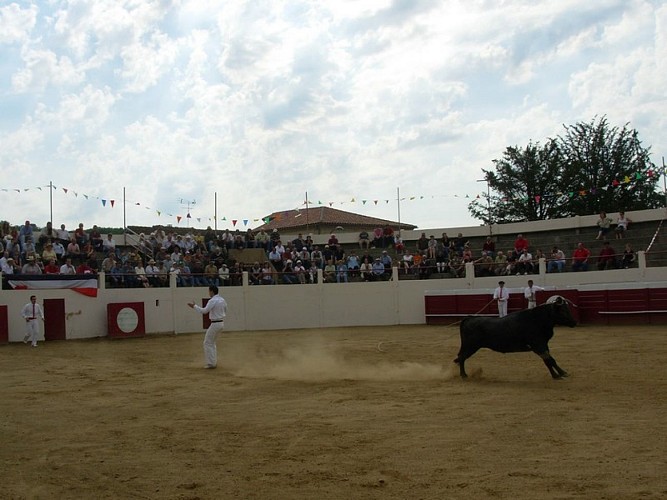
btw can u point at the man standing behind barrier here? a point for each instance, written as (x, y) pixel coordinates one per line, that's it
(501, 295)
(529, 293)
(216, 308)
(31, 312)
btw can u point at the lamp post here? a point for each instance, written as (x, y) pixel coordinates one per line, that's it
(488, 202)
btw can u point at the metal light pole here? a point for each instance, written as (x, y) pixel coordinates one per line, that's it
(488, 202)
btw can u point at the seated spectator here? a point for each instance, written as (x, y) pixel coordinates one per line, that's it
(628, 257)
(96, 238)
(289, 277)
(466, 254)
(24, 233)
(267, 274)
(580, 258)
(67, 267)
(520, 243)
(387, 236)
(422, 244)
(622, 224)
(417, 259)
(152, 273)
(364, 240)
(63, 235)
(262, 240)
(29, 247)
(457, 266)
(197, 269)
(607, 257)
(556, 262)
(142, 278)
(300, 271)
(366, 269)
(399, 246)
(512, 259)
(223, 273)
(459, 244)
(379, 270)
(524, 264)
(109, 245)
(441, 257)
(52, 267)
(500, 262)
(211, 276)
(59, 250)
(386, 261)
(73, 250)
(80, 235)
(31, 266)
(316, 258)
(603, 223)
(485, 265)
(250, 241)
(298, 243)
(85, 268)
(329, 272)
(333, 243)
(489, 247)
(353, 264)
(48, 253)
(341, 271)
(432, 247)
(407, 262)
(47, 234)
(377, 237)
(425, 267)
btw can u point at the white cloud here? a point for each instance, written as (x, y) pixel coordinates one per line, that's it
(260, 101)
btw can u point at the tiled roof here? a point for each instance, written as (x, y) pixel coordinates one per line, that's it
(328, 216)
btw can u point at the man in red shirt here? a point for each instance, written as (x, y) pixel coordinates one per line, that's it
(580, 258)
(520, 243)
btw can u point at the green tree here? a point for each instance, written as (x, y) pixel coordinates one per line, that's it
(592, 167)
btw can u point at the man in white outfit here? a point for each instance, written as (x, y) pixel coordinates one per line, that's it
(216, 308)
(501, 295)
(31, 312)
(529, 292)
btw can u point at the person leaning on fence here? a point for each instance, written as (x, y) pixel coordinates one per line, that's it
(556, 262)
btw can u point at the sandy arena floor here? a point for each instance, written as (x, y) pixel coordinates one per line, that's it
(335, 414)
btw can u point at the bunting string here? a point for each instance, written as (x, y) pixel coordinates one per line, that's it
(627, 182)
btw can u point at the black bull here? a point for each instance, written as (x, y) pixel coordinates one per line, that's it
(522, 331)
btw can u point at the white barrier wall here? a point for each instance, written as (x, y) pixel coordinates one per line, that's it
(282, 307)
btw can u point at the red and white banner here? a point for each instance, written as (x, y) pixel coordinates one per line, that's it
(81, 283)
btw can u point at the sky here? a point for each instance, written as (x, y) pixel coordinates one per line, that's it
(142, 112)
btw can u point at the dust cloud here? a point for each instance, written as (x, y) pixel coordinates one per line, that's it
(313, 361)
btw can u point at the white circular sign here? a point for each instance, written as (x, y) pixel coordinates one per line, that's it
(127, 319)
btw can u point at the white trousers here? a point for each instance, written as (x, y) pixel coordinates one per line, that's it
(502, 308)
(32, 330)
(210, 338)
(532, 304)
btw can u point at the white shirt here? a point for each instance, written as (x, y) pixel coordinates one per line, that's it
(67, 269)
(216, 308)
(501, 293)
(529, 292)
(32, 311)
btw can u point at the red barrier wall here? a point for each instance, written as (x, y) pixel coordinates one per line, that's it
(616, 307)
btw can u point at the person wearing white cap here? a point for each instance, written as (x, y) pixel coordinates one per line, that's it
(501, 295)
(31, 312)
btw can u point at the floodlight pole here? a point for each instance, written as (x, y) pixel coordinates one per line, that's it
(488, 202)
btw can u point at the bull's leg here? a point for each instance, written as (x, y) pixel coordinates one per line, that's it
(461, 359)
(556, 371)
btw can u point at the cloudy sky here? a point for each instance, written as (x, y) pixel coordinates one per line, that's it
(258, 102)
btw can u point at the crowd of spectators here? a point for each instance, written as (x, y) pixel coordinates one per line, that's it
(204, 259)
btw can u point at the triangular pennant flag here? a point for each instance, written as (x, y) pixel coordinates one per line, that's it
(112, 202)
(188, 216)
(65, 189)
(537, 198)
(331, 203)
(570, 194)
(199, 219)
(224, 218)
(85, 196)
(158, 213)
(104, 203)
(234, 221)
(352, 200)
(178, 219)
(76, 194)
(638, 175)
(615, 183)
(245, 222)
(375, 201)
(627, 179)
(39, 188)
(364, 201)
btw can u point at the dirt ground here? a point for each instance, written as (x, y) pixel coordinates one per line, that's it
(335, 414)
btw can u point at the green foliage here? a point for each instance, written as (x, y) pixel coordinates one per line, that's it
(592, 167)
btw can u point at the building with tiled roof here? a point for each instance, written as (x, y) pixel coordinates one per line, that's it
(324, 220)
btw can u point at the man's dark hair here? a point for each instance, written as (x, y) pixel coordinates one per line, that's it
(214, 289)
